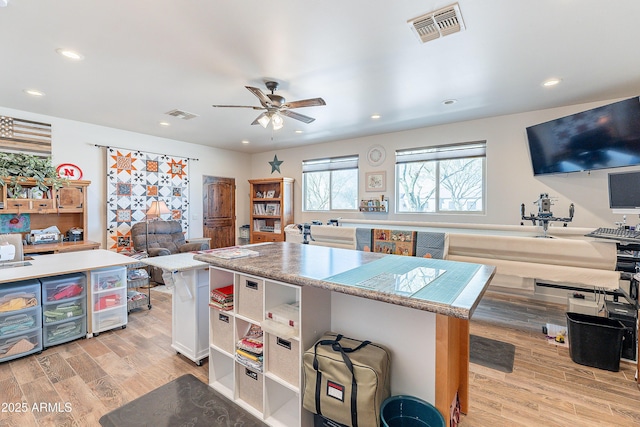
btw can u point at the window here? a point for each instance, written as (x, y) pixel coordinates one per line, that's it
(443, 179)
(330, 184)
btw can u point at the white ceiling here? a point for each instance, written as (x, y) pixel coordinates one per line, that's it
(146, 57)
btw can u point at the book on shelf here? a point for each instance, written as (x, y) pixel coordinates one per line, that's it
(272, 209)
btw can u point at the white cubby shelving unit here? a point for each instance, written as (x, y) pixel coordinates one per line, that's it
(273, 394)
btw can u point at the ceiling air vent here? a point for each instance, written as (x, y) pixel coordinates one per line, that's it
(439, 23)
(181, 114)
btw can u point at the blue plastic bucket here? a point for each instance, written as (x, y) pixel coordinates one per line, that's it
(409, 411)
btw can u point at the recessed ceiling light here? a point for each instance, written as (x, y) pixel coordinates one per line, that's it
(551, 82)
(70, 54)
(299, 131)
(375, 116)
(244, 141)
(33, 92)
(165, 124)
(449, 101)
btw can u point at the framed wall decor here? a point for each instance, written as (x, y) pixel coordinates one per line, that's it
(376, 155)
(376, 181)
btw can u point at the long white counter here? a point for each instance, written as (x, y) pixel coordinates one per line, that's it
(64, 263)
(47, 266)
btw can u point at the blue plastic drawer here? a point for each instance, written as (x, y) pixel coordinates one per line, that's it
(64, 287)
(64, 311)
(64, 331)
(15, 322)
(21, 344)
(19, 296)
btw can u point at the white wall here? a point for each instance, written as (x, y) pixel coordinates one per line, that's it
(510, 179)
(74, 142)
(509, 175)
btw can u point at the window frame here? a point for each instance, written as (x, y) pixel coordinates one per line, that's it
(330, 164)
(438, 154)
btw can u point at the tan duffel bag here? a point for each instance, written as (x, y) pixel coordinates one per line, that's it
(346, 380)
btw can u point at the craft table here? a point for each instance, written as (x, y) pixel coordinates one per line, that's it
(189, 319)
(418, 308)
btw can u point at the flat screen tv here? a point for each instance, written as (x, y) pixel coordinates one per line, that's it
(624, 191)
(601, 138)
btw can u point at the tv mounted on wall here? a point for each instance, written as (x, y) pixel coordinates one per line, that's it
(601, 138)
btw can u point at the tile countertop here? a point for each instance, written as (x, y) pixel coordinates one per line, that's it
(443, 287)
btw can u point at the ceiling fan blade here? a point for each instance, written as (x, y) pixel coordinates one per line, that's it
(256, 121)
(313, 102)
(239, 106)
(264, 99)
(296, 116)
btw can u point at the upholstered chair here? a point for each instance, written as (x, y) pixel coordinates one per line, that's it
(164, 238)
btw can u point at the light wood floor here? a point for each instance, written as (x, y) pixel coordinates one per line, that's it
(77, 383)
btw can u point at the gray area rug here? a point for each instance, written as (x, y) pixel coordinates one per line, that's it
(185, 401)
(493, 354)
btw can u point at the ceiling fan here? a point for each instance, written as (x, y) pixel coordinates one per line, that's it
(276, 107)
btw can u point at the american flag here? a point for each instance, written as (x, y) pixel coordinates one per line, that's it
(17, 135)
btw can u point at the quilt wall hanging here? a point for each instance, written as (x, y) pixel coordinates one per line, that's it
(134, 180)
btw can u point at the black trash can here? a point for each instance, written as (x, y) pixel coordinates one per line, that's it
(595, 341)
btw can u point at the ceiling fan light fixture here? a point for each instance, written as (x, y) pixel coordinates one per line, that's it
(264, 120)
(277, 122)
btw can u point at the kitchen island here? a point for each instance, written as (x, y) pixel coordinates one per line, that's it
(419, 308)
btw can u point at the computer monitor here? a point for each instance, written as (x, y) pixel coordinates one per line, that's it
(624, 192)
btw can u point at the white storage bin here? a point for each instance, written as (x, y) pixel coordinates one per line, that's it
(249, 386)
(21, 344)
(222, 331)
(109, 319)
(107, 279)
(109, 300)
(283, 358)
(64, 287)
(64, 331)
(249, 297)
(15, 322)
(19, 295)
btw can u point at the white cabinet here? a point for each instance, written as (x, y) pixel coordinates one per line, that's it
(189, 335)
(108, 299)
(292, 318)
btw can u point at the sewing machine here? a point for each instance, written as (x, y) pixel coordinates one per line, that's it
(544, 213)
(7, 252)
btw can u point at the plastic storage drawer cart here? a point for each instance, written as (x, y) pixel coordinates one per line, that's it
(108, 299)
(20, 319)
(64, 312)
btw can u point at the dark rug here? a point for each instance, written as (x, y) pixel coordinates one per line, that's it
(493, 354)
(185, 401)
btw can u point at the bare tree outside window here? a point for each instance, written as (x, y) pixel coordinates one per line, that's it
(428, 181)
(331, 190)
(416, 187)
(461, 182)
(316, 191)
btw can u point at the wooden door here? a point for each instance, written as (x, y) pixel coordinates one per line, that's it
(219, 211)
